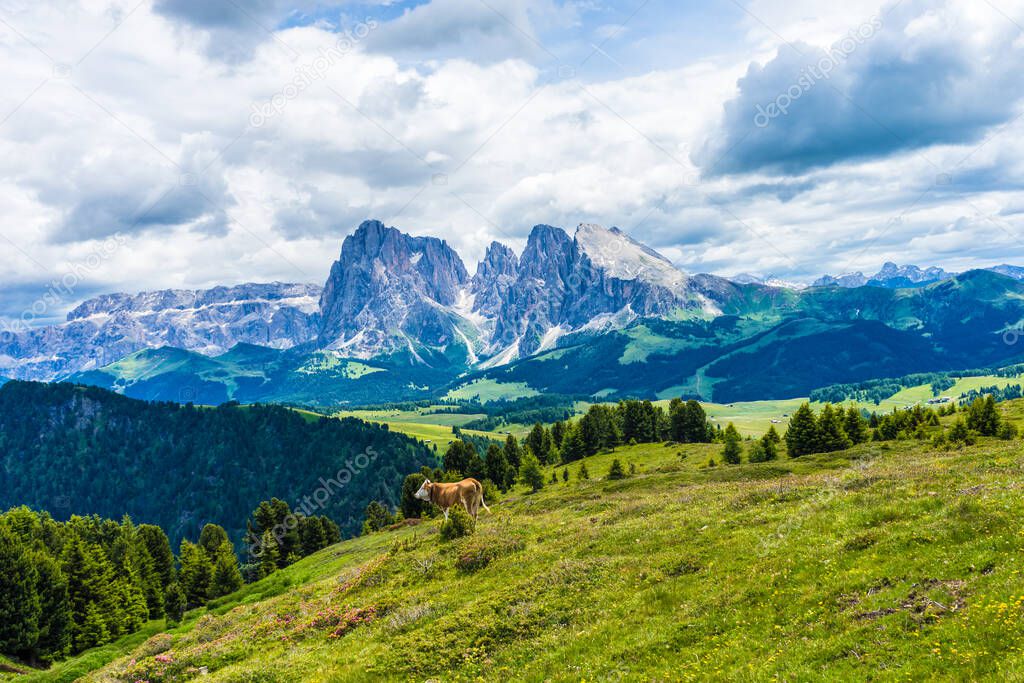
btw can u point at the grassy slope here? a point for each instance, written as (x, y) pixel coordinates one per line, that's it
(426, 425)
(887, 562)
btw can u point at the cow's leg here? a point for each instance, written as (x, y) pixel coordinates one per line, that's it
(469, 509)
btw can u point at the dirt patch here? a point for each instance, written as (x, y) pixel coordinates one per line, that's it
(918, 603)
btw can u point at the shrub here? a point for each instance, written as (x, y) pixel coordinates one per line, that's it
(530, 472)
(583, 473)
(480, 552)
(459, 524)
(491, 492)
(616, 471)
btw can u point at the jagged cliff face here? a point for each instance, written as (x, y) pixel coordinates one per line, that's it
(597, 279)
(106, 328)
(496, 274)
(390, 291)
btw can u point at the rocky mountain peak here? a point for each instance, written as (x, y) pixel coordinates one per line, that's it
(495, 274)
(389, 290)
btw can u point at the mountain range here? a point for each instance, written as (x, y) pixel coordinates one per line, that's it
(594, 313)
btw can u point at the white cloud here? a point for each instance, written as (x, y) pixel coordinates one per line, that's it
(469, 144)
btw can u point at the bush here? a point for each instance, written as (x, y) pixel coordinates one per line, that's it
(491, 492)
(480, 552)
(459, 524)
(616, 471)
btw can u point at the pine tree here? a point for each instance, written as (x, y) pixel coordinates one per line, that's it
(377, 517)
(475, 466)
(269, 554)
(855, 426)
(91, 579)
(498, 468)
(196, 574)
(616, 471)
(983, 416)
(582, 474)
(831, 436)
(175, 603)
(772, 435)
(411, 506)
(226, 576)
(456, 458)
(159, 548)
(565, 475)
(211, 538)
(558, 433)
(539, 441)
(20, 608)
(513, 453)
(573, 446)
(93, 630)
(530, 472)
(55, 608)
(733, 452)
(802, 435)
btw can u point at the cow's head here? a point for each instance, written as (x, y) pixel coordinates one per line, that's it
(424, 492)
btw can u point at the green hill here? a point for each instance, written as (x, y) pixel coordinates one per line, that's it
(80, 450)
(889, 561)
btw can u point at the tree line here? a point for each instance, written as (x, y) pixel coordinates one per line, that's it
(68, 586)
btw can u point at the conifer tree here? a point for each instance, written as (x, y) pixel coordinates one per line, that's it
(211, 538)
(159, 548)
(475, 466)
(582, 474)
(20, 608)
(513, 453)
(196, 573)
(539, 441)
(802, 435)
(855, 425)
(732, 454)
(269, 554)
(227, 578)
(573, 446)
(831, 436)
(616, 471)
(411, 506)
(55, 625)
(530, 472)
(175, 603)
(498, 469)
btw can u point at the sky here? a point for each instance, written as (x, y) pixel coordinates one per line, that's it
(189, 143)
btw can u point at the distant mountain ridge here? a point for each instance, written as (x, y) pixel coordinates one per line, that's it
(107, 328)
(400, 317)
(893, 276)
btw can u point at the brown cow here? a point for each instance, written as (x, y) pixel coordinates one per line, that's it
(469, 492)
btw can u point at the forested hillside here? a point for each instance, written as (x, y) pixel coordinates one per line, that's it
(70, 450)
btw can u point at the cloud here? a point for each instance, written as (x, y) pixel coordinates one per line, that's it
(469, 29)
(918, 76)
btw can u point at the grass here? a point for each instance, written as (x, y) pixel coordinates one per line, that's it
(889, 561)
(429, 425)
(486, 390)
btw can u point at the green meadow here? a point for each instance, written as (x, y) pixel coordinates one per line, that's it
(888, 561)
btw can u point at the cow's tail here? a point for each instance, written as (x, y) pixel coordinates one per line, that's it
(480, 492)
